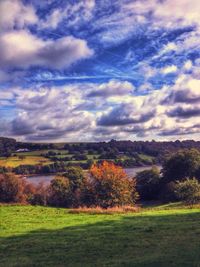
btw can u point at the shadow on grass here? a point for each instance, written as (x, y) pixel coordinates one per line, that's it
(142, 241)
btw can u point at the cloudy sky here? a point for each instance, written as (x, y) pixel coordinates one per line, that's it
(93, 70)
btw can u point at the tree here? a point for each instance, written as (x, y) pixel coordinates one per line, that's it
(148, 183)
(12, 188)
(111, 186)
(21, 157)
(75, 176)
(37, 194)
(188, 191)
(60, 194)
(181, 165)
(77, 181)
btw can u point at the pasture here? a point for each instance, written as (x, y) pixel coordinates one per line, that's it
(44, 236)
(15, 161)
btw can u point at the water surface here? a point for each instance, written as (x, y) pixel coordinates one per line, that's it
(36, 179)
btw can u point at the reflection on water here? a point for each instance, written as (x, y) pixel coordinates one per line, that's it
(47, 178)
(133, 171)
(36, 179)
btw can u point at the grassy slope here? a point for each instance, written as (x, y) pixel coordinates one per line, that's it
(38, 236)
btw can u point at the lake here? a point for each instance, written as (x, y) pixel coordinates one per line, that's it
(36, 179)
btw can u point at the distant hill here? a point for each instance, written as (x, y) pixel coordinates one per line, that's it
(151, 148)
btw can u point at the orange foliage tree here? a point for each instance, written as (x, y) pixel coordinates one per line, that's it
(111, 186)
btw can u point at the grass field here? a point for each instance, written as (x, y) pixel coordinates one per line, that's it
(16, 161)
(39, 236)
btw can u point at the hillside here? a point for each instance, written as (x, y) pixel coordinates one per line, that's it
(47, 158)
(41, 236)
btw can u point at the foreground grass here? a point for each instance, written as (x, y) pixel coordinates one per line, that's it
(39, 236)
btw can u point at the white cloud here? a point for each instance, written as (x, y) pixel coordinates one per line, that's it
(67, 113)
(23, 49)
(172, 11)
(112, 88)
(169, 69)
(16, 14)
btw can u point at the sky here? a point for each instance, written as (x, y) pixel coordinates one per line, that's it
(95, 70)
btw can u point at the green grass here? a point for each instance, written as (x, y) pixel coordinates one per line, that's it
(39, 236)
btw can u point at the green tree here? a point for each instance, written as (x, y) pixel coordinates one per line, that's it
(60, 194)
(182, 164)
(148, 183)
(188, 190)
(76, 177)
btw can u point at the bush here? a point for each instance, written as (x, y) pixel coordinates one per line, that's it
(148, 184)
(100, 210)
(188, 191)
(111, 186)
(12, 188)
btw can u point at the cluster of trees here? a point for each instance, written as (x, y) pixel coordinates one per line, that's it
(179, 180)
(107, 186)
(55, 167)
(7, 146)
(35, 146)
(113, 148)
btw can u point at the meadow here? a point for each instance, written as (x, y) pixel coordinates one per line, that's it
(44, 236)
(15, 161)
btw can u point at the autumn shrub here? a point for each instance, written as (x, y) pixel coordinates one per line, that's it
(109, 210)
(12, 188)
(188, 191)
(111, 186)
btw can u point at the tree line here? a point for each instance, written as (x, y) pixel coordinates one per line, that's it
(152, 148)
(108, 185)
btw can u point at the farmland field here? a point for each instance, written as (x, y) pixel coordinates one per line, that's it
(27, 160)
(36, 157)
(41, 236)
